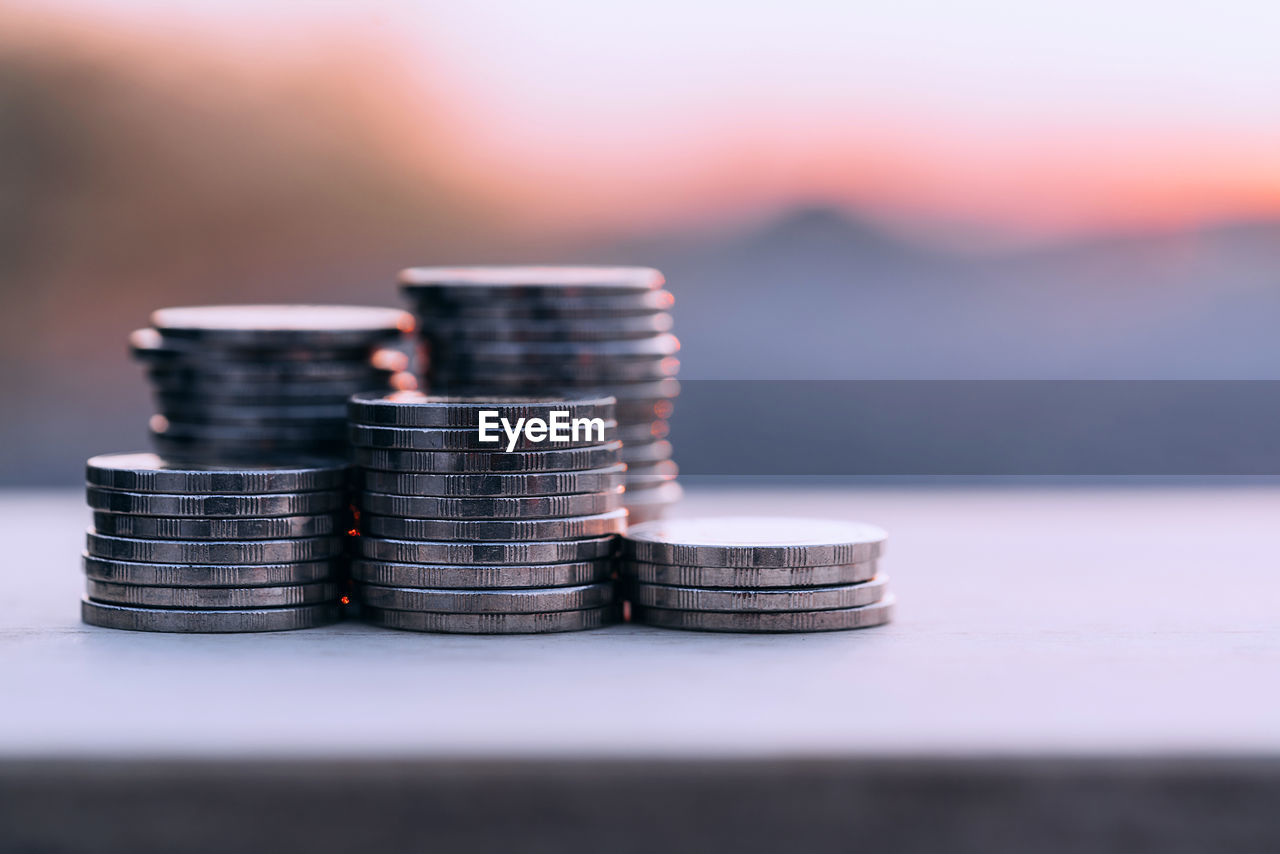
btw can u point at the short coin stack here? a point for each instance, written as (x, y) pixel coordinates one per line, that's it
(462, 535)
(564, 331)
(756, 574)
(265, 382)
(189, 548)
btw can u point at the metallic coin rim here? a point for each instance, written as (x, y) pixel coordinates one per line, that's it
(642, 543)
(842, 619)
(191, 621)
(483, 462)
(146, 574)
(546, 622)
(456, 439)
(196, 480)
(413, 485)
(480, 576)
(564, 528)
(776, 600)
(152, 595)
(212, 504)
(414, 409)
(240, 552)
(533, 600)
(462, 553)
(217, 527)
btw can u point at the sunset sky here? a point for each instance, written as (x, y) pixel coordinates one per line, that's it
(1030, 119)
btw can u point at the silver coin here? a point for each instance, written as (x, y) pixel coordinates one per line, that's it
(754, 541)
(491, 624)
(487, 554)
(137, 619)
(757, 601)
(204, 410)
(480, 577)
(210, 575)
(554, 281)
(309, 325)
(642, 476)
(435, 305)
(749, 577)
(331, 429)
(179, 390)
(415, 409)
(238, 552)
(143, 472)
(668, 387)
(157, 350)
(393, 493)
(240, 528)
(532, 507)
(209, 505)
(447, 439)
(566, 329)
(552, 374)
(647, 452)
(532, 601)
(381, 365)
(494, 462)
(569, 528)
(210, 597)
(863, 617)
(580, 352)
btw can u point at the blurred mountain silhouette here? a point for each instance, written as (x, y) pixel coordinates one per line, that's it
(133, 181)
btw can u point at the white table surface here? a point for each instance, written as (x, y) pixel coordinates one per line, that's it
(1062, 619)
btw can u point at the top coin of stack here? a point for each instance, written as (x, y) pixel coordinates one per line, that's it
(191, 548)
(265, 382)
(460, 534)
(756, 574)
(571, 331)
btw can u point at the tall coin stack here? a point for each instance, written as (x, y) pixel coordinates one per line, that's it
(265, 382)
(564, 331)
(463, 535)
(191, 548)
(754, 574)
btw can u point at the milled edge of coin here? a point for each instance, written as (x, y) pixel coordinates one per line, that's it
(463, 439)
(564, 528)
(529, 601)
(480, 577)
(409, 486)
(652, 347)
(646, 543)
(488, 462)
(547, 373)
(828, 598)
(486, 554)
(113, 471)
(842, 619)
(185, 620)
(415, 409)
(210, 575)
(203, 598)
(491, 624)
(218, 528)
(208, 504)
(749, 577)
(491, 508)
(244, 552)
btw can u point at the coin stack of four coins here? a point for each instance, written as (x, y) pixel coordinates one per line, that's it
(571, 331)
(756, 574)
(459, 534)
(265, 382)
(193, 548)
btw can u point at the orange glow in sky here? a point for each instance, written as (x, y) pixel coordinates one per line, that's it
(1030, 119)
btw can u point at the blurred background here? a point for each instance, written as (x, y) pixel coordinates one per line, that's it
(836, 191)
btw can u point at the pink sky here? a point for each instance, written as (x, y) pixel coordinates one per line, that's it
(1029, 119)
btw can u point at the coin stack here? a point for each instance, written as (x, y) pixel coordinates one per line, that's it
(190, 548)
(462, 535)
(564, 331)
(754, 574)
(265, 382)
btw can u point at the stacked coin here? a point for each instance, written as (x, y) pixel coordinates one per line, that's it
(462, 534)
(753, 574)
(571, 331)
(190, 548)
(265, 382)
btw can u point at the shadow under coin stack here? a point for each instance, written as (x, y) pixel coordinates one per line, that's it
(459, 535)
(560, 331)
(178, 548)
(265, 382)
(753, 574)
